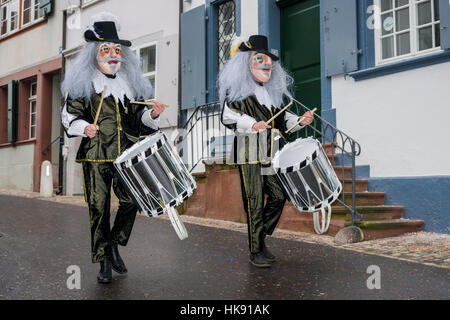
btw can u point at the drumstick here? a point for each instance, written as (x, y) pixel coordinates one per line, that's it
(99, 106)
(146, 103)
(298, 122)
(271, 119)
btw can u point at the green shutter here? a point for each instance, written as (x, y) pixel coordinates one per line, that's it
(46, 8)
(13, 101)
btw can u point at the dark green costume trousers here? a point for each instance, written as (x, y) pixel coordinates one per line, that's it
(261, 219)
(98, 179)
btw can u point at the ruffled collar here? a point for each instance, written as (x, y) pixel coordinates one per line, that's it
(117, 87)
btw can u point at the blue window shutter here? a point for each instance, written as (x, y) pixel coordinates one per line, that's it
(444, 13)
(340, 36)
(193, 58)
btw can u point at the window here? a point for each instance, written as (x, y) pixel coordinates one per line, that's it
(9, 16)
(226, 30)
(147, 56)
(32, 99)
(406, 28)
(4, 19)
(30, 11)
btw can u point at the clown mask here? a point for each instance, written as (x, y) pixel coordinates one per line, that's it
(260, 67)
(109, 57)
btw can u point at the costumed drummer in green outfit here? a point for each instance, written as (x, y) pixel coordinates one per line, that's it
(107, 73)
(252, 85)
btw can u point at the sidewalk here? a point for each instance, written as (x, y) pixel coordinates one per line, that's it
(422, 247)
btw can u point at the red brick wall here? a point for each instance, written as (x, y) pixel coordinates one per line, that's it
(43, 125)
(24, 111)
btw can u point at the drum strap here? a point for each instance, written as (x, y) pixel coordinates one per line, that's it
(322, 227)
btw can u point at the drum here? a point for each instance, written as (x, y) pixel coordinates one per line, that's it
(309, 180)
(157, 179)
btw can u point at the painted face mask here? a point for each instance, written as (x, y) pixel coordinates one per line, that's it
(260, 67)
(109, 57)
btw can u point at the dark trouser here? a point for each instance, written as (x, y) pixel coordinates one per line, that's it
(98, 178)
(261, 220)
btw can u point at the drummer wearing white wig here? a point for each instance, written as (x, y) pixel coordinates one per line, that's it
(104, 80)
(252, 86)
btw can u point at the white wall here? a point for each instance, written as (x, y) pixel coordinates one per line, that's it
(16, 167)
(193, 4)
(249, 17)
(400, 120)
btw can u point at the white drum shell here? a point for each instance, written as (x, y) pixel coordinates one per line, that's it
(155, 175)
(307, 175)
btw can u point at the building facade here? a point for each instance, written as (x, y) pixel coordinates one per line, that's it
(30, 67)
(378, 69)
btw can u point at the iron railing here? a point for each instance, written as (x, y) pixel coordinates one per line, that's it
(204, 137)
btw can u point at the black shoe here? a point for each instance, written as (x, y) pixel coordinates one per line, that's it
(105, 274)
(258, 260)
(267, 254)
(116, 261)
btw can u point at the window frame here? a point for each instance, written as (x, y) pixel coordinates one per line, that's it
(413, 29)
(31, 99)
(20, 25)
(221, 62)
(17, 3)
(4, 4)
(32, 9)
(137, 50)
(8, 4)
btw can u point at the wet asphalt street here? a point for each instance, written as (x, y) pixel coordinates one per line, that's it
(41, 239)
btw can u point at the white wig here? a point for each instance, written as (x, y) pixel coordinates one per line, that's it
(78, 80)
(235, 81)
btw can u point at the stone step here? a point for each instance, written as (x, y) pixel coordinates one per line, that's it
(360, 185)
(377, 229)
(363, 198)
(372, 212)
(200, 177)
(218, 196)
(328, 147)
(343, 172)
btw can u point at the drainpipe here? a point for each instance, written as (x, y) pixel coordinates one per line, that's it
(179, 63)
(61, 130)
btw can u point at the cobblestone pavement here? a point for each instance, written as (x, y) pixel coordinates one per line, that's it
(422, 247)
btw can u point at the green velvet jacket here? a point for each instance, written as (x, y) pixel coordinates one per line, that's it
(247, 147)
(114, 121)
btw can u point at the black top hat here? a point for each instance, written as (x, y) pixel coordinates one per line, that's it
(106, 31)
(259, 44)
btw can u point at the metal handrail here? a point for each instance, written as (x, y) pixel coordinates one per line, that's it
(208, 116)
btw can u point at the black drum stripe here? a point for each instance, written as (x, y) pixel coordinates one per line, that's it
(303, 164)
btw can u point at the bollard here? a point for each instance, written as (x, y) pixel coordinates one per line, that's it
(46, 179)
